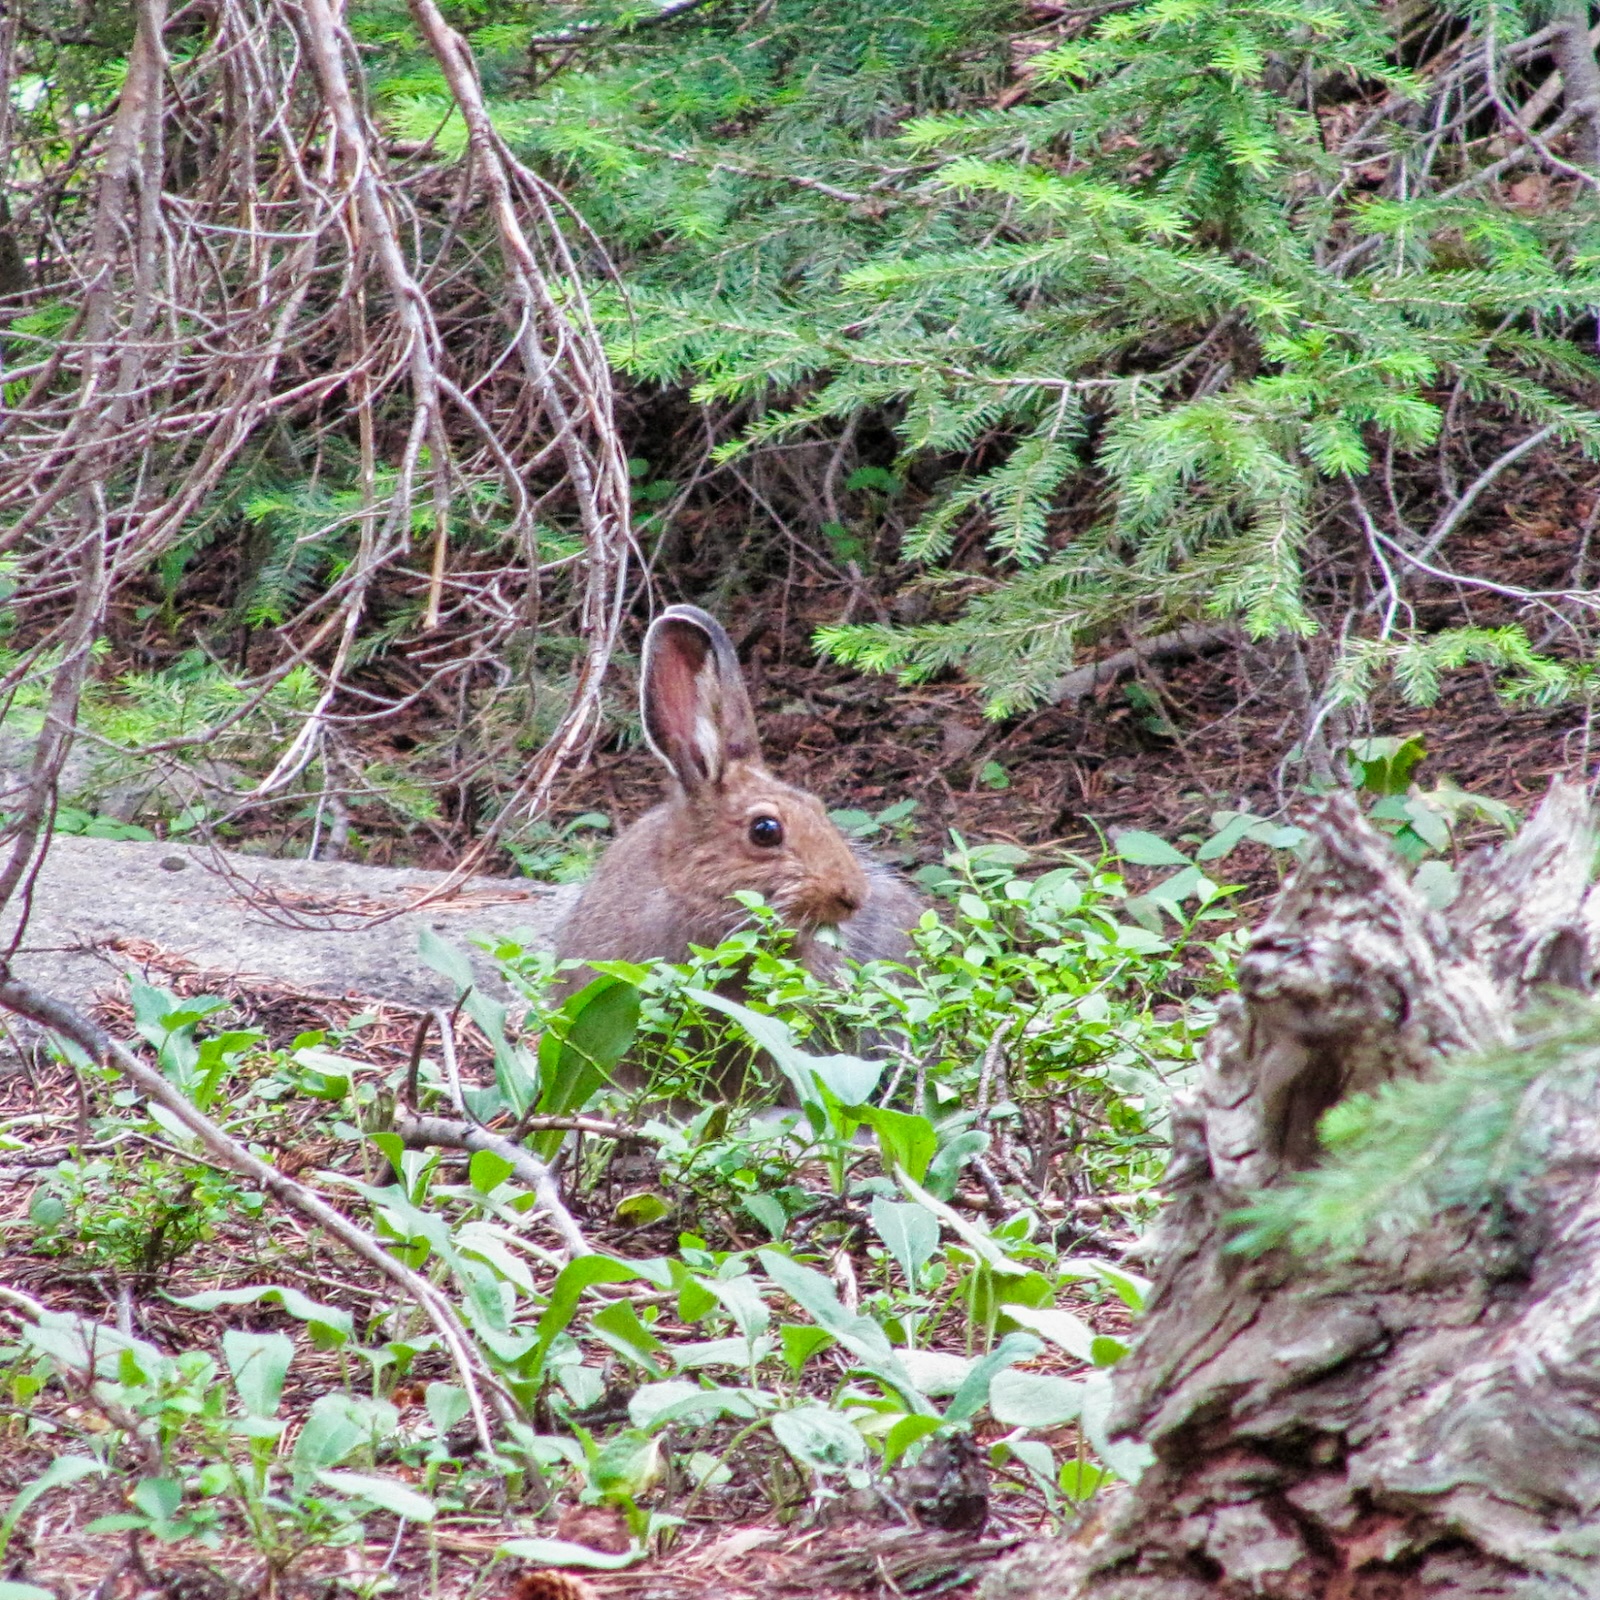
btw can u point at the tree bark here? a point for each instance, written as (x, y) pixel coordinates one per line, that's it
(1425, 1419)
(1580, 78)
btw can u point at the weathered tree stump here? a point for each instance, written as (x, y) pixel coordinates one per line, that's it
(1423, 1420)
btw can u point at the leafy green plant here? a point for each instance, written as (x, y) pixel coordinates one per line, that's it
(206, 1460)
(1421, 823)
(913, 1088)
(89, 825)
(564, 854)
(134, 1216)
(1039, 971)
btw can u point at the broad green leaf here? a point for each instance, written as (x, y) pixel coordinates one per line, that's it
(655, 1405)
(987, 1249)
(1181, 885)
(333, 1429)
(259, 1363)
(627, 1465)
(73, 1343)
(393, 1149)
(641, 1210)
(772, 1036)
(651, 1401)
(1126, 1457)
(1034, 1400)
(1062, 1328)
(1147, 849)
(850, 1079)
(486, 1242)
(570, 1283)
(1107, 1352)
(937, 1372)
(1232, 832)
(735, 1352)
(119, 1522)
(905, 1433)
(973, 1394)
(445, 959)
(1436, 883)
(705, 1468)
(1036, 1456)
(820, 1438)
(768, 1210)
(800, 1341)
(1431, 826)
(329, 1325)
(1128, 1287)
(584, 1386)
(564, 1553)
(904, 1140)
(741, 1299)
(945, 1169)
(1384, 765)
(861, 1336)
(619, 1325)
(172, 1124)
(1081, 1479)
(909, 1231)
(387, 1494)
(580, 1049)
(487, 1170)
(158, 1498)
(695, 1301)
(1061, 889)
(448, 1404)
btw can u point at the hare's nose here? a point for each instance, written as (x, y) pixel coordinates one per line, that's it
(848, 902)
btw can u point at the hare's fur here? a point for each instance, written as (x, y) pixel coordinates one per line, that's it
(668, 881)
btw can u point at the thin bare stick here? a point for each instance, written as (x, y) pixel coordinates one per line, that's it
(527, 1167)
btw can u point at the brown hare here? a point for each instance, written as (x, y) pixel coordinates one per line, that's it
(667, 882)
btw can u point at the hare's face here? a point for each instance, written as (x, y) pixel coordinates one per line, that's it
(751, 831)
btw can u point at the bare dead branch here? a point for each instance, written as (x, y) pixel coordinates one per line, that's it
(526, 1166)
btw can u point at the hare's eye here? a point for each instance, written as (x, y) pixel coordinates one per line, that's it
(766, 832)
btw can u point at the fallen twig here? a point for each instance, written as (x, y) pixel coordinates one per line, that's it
(528, 1167)
(1197, 638)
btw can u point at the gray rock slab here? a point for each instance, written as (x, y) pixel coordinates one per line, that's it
(102, 908)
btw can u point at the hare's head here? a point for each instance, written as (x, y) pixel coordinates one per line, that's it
(731, 824)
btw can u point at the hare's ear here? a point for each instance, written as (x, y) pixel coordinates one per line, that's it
(697, 713)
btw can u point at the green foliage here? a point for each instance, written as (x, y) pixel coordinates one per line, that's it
(1141, 325)
(1032, 998)
(133, 1216)
(1418, 666)
(195, 693)
(1056, 974)
(561, 854)
(202, 1457)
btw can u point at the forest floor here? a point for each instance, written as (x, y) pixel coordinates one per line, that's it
(758, 1538)
(1071, 776)
(1162, 752)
